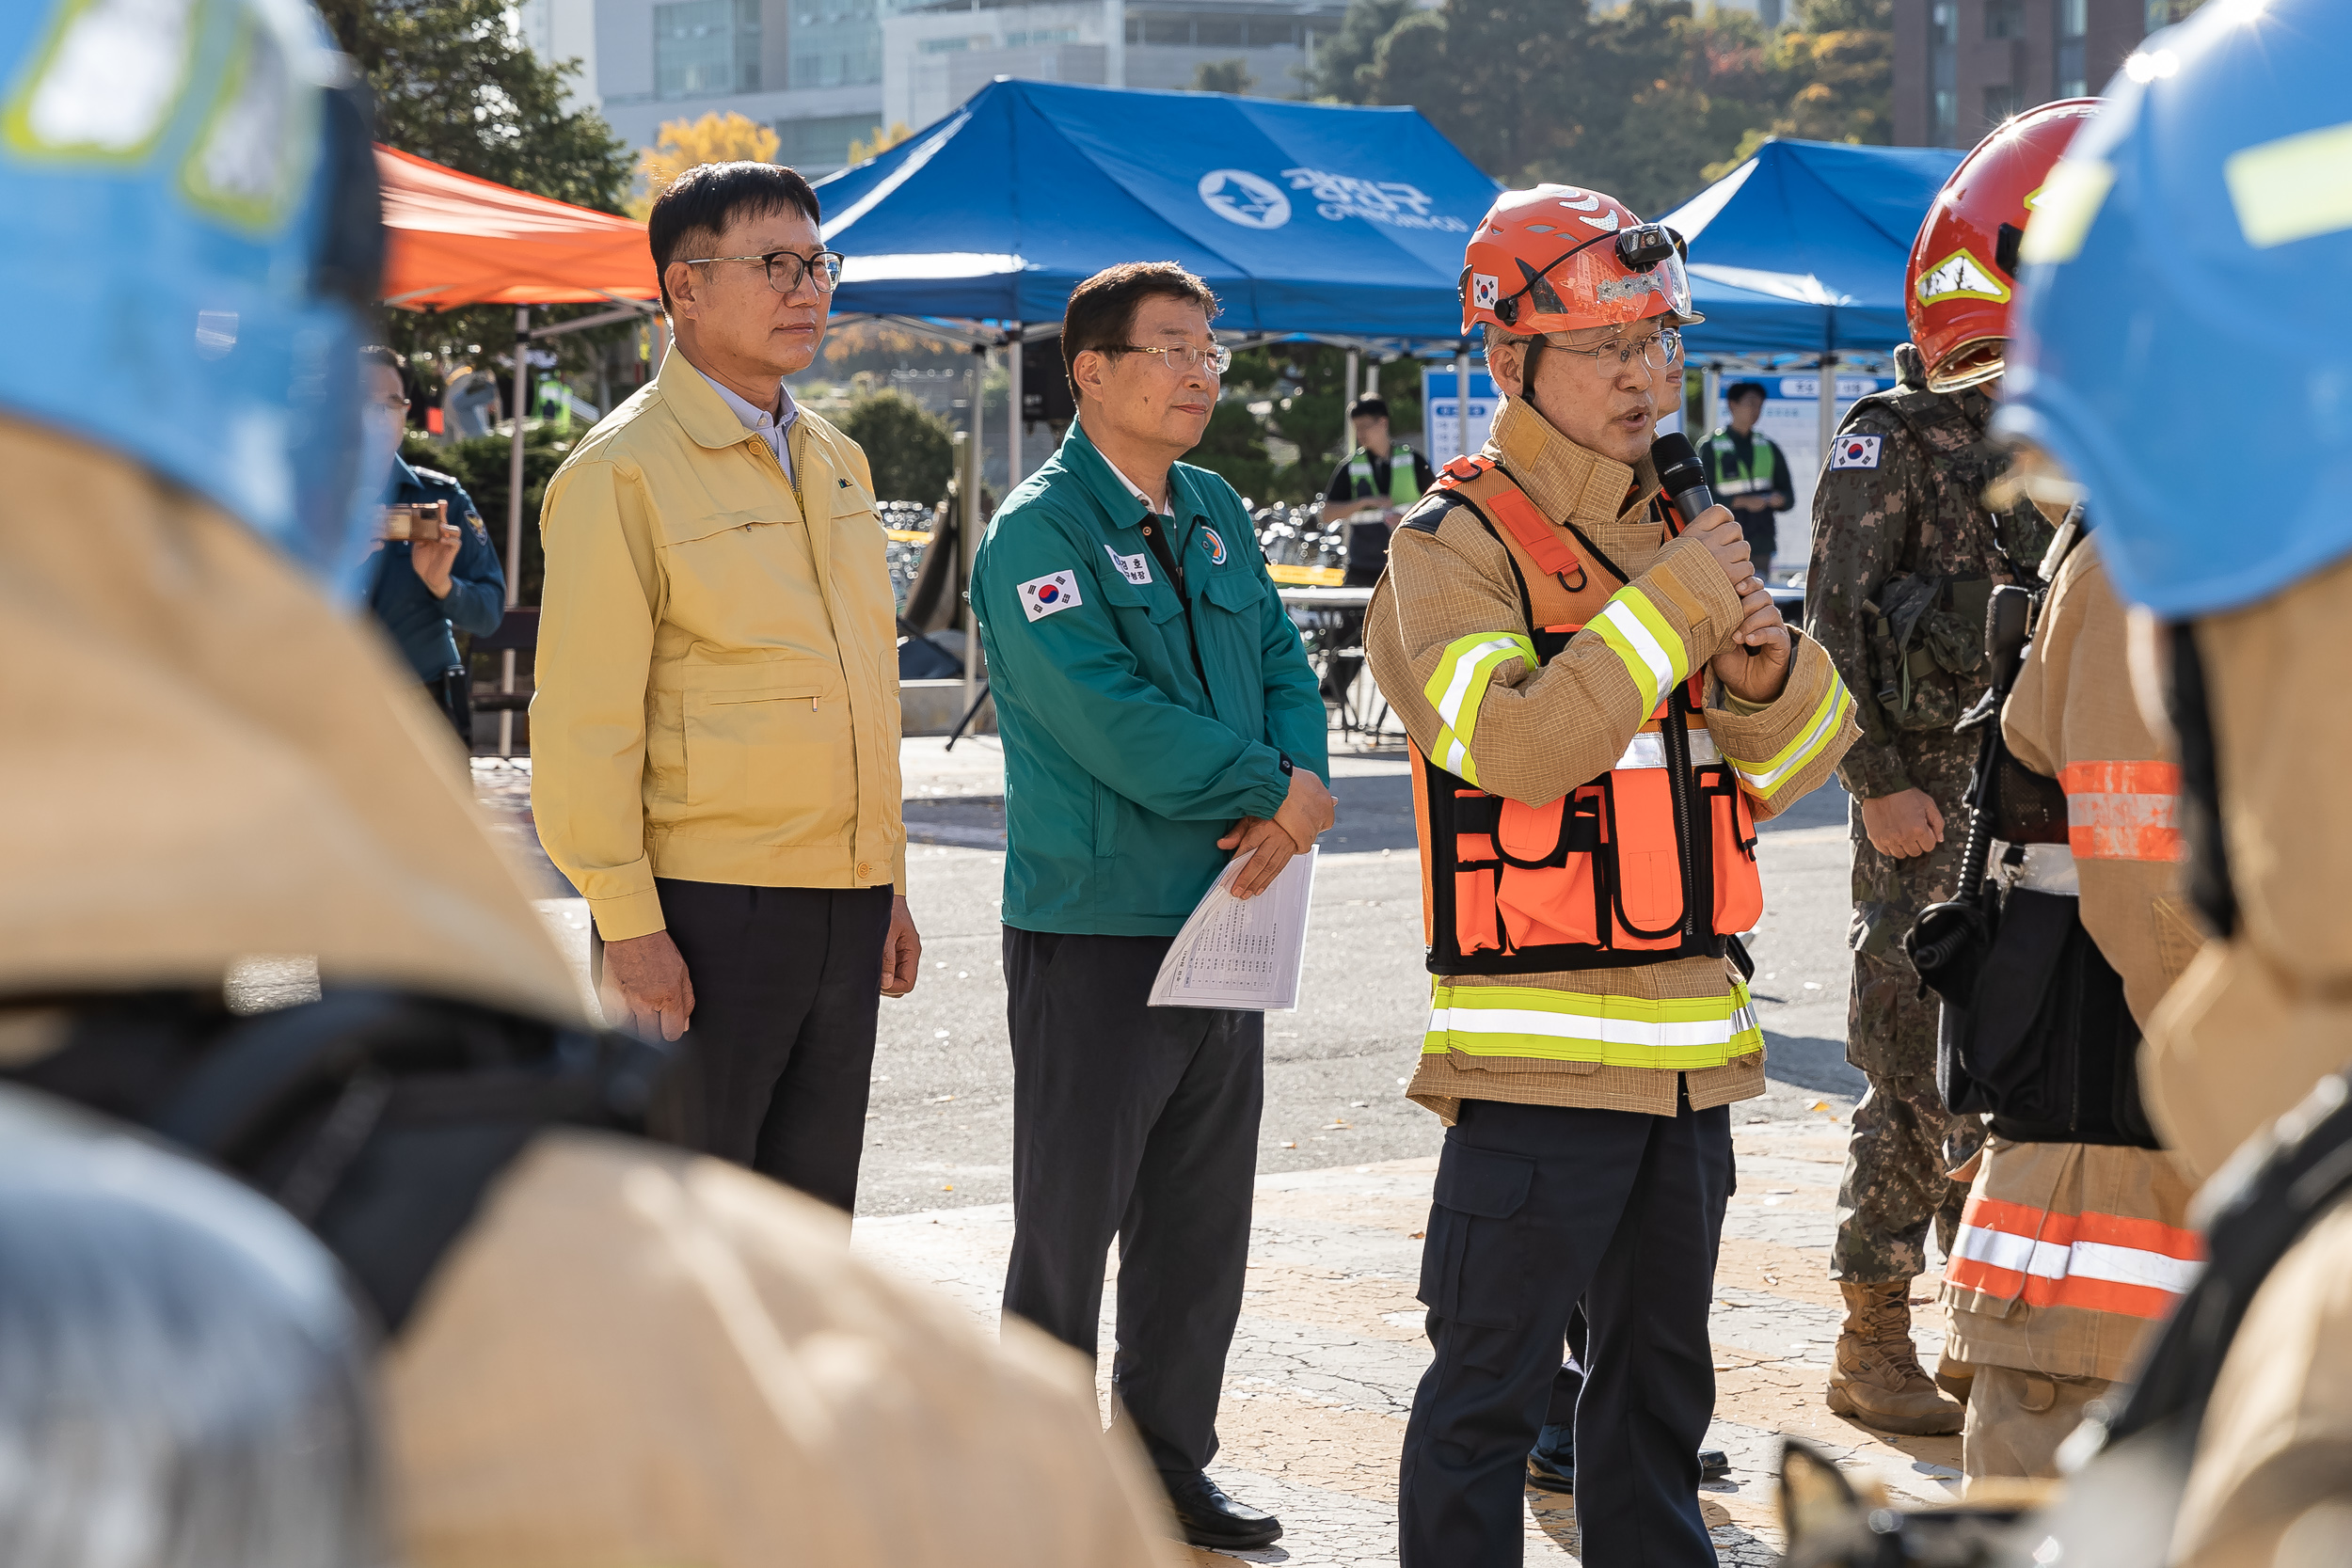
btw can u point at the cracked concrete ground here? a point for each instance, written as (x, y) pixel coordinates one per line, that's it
(1330, 1346)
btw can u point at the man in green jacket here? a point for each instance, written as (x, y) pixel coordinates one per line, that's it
(1157, 713)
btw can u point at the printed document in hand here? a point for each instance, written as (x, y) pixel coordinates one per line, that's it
(1241, 952)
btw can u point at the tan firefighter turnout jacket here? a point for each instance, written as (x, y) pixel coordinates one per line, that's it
(2069, 1255)
(1607, 1039)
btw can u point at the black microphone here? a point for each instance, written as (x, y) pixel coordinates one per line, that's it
(1679, 470)
(1685, 481)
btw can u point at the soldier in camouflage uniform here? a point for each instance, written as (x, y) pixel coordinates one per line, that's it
(1905, 556)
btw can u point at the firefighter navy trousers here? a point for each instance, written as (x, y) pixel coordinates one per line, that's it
(1536, 1206)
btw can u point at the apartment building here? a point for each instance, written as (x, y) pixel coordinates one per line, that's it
(1962, 67)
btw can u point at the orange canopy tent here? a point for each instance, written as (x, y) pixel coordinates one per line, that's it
(455, 240)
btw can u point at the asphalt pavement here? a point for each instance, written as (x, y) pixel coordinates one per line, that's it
(942, 1128)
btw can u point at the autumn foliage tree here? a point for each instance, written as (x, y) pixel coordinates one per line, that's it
(683, 144)
(1648, 100)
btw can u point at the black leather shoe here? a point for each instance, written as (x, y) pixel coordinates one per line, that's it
(1207, 1517)
(1551, 1463)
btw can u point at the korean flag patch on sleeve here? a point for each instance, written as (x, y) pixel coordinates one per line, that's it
(1042, 597)
(1855, 452)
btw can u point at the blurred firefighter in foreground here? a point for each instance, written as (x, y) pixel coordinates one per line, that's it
(598, 1350)
(1905, 556)
(2217, 175)
(2075, 1241)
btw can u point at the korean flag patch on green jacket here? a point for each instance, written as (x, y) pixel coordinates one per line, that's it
(1045, 595)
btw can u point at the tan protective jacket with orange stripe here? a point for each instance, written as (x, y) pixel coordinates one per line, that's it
(2068, 1254)
(1444, 627)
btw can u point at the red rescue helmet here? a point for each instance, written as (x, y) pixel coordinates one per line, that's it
(1557, 258)
(1963, 265)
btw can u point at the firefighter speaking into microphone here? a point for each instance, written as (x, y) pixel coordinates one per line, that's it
(1602, 701)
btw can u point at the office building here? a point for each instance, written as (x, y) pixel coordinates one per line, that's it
(1964, 65)
(940, 53)
(825, 73)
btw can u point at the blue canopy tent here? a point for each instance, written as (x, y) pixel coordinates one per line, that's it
(1305, 218)
(1798, 254)
(1802, 248)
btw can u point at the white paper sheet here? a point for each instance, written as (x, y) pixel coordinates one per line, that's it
(1241, 952)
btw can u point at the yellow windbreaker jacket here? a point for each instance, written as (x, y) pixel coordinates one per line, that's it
(718, 675)
(1609, 1038)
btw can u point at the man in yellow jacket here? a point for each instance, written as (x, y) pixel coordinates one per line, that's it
(715, 737)
(1603, 701)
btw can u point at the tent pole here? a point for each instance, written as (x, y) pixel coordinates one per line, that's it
(1461, 397)
(1829, 402)
(1115, 43)
(1012, 409)
(514, 517)
(1348, 398)
(1710, 388)
(969, 545)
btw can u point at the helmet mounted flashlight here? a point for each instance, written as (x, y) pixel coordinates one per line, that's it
(1639, 250)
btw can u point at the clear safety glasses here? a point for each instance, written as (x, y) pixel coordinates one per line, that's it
(1184, 357)
(1659, 350)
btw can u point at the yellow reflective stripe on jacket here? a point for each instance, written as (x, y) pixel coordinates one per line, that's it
(1763, 778)
(1528, 1022)
(1650, 648)
(1457, 686)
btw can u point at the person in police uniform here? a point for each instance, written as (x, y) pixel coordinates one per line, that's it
(1905, 556)
(427, 589)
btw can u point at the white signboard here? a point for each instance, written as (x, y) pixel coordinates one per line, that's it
(1792, 417)
(1442, 412)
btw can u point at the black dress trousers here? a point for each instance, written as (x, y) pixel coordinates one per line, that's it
(1538, 1206)
(1139, 1122)
(778, 1057)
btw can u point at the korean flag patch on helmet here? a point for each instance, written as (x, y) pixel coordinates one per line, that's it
(1484, 287)
(1042, 596)
(1855, 452)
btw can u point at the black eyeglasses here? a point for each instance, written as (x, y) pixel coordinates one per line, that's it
(786, 268)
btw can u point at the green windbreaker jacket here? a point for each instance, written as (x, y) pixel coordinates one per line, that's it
(1138, 723)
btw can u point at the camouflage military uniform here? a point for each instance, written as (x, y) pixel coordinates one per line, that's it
(1905, 556)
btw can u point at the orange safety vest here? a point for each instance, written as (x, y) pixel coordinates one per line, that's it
(1653, 860)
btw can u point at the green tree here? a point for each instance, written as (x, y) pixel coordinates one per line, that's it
(1342, 55)
(1223, 76)
(911, 450)
(1233, 448)
(1646, 101)
(454, 83)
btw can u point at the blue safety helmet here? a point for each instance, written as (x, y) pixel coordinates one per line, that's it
(189, 237)
(2182, 343)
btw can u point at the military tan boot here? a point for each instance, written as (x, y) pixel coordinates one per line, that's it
(1878, 1379)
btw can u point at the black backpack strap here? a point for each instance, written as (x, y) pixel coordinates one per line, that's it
(378, 1119)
